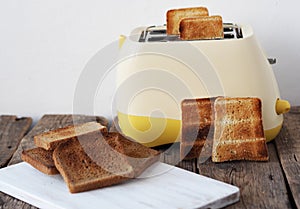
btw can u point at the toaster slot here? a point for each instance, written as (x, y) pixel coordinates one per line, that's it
(232, 31)
(159, 33)
(143, 36)
(228, 27)
(157, 38)
(239, 33)
(228, 36)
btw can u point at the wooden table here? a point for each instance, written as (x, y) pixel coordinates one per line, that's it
(273, 184)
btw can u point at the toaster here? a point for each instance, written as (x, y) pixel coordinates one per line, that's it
(157, 71)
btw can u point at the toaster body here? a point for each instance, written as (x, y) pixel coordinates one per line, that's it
(157, 72)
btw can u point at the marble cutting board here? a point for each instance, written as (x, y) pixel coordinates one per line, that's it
(172, 188)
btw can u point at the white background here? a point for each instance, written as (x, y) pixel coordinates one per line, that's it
(44, 45)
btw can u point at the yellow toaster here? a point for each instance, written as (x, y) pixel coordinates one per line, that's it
(156, 72)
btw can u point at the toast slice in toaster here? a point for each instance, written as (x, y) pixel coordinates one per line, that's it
(197, 126)
(174, 17)
(210, 27)
(238, 133)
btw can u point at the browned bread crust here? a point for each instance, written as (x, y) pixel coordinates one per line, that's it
(210, 27)
(102, 120)
(93, 161)
(197, 125)
(174, 17)
(238, 130)
(40, 159)
(139, 156)
(191, 150)
(90, 162)
(49, 140)
(246, 149)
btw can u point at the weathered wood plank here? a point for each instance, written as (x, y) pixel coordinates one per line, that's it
(49, 122)
(288, 148)
(8, 202)
(261, 184)
(12, 130)
(171, 156)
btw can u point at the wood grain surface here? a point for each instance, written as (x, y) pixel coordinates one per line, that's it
(273, 184)
(12, 130)
(288, 148)
(261, 183)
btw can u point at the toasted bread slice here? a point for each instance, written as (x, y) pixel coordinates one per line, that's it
(191, 150)
(139, 156)
(245, 149)
(89, 162)
(210, 27)
(40, 159)
(174, 17)
(197, 126)
(239, 131)
(50, 140)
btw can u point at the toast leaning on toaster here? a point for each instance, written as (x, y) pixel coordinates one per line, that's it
(238, 133)
(197, 126)
(236, 126)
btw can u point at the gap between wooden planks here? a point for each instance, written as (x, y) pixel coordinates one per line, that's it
(288, 149)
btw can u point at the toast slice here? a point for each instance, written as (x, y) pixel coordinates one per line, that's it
(174, 17)
(139, 156)
(40, 159)
(210, 27)
(89, 162)
(50, 140)
(239, 131)
(191, 150)
(197, 126)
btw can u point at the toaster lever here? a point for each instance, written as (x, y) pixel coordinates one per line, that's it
(282, 106)
(272, 61)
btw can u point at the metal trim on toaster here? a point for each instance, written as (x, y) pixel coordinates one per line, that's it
(158, 33)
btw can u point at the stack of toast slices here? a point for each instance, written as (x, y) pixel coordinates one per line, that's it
(231, 128)
(88, 157)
